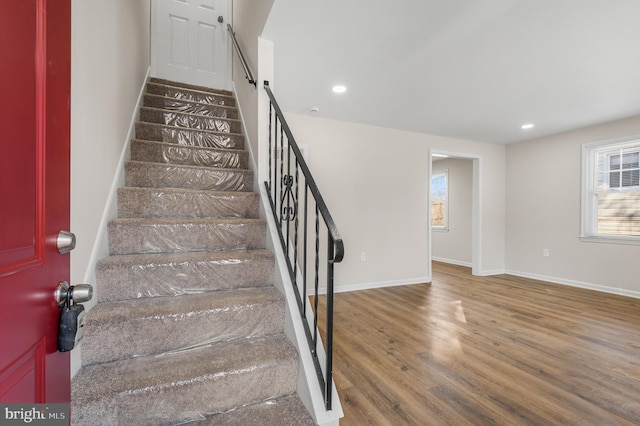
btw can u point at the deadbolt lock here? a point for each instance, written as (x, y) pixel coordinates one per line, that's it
(66, 242)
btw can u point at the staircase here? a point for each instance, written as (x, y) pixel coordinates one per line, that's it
(188, 325)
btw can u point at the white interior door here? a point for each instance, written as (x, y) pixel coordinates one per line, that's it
(189, 42)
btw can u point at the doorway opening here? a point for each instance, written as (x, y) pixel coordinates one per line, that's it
(455, 236)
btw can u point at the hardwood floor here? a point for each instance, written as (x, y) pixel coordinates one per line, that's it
(500, 350)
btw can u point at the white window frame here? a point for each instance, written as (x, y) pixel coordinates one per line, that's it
(436, 174)
(589, 198)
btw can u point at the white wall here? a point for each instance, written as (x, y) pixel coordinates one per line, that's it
(454, 245)
(249, 18)
(110, 59)
(375, 183)
(543, 211)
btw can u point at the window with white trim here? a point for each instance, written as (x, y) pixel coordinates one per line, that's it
(611, 190)
(440, 200)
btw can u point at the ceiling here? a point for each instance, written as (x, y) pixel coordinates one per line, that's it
(469, 69)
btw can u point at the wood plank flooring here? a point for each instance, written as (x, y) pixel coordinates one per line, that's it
(497, 350)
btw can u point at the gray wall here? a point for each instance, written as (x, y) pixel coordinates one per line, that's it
(375, 182)
(543, 211)
(249, 18)
(109, 62)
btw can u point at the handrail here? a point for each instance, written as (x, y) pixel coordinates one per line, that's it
(283, 191)
(243, 61)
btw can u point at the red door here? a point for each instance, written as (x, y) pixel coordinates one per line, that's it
(35, 44)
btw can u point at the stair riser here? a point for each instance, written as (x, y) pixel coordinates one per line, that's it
(190, 95)
(189, 121)
(129, 238)
(188, 107)
(188, 86)
(122, 281)
(149, 175)
(202, 138)
(287, 410)
(167, 330)
(159, 152)
(156, 203)
(185, 394)
(179, 404)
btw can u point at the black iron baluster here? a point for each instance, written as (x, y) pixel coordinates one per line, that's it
(281, 171)
(329, 322)
(316, 282)
(288, 194)
(275, 157)
(295, 233)
(305, 245)
(270, 119)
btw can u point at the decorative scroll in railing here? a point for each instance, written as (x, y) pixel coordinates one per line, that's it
(243, 61)
(308, 235)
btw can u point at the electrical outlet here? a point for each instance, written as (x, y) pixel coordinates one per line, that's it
(545, 252)
(363, 256)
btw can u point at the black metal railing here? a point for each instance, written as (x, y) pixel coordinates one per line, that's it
(243, 61)
(308, 236)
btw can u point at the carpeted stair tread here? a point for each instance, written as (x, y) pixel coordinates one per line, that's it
(287, 410)
(180, 84)
(174, 323)
(189, 121)
(192, 137)
(158, 235)
(189, 94)
(171, 153)
(159, 175)
(181, 386)
(170, 104)
(171, 202)
(133, 276)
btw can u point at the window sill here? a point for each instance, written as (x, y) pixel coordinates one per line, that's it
(440, 229)
(611, 240)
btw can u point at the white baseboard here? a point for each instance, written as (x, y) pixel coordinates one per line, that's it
(491, 272)
(574, 283)
(368, 286)
(469, 265)
(452, 261)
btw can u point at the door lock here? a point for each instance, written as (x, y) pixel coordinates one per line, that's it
(76, 293)
(66, 242)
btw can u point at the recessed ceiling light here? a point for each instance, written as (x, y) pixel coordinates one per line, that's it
(339, 89)
(527, 126)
